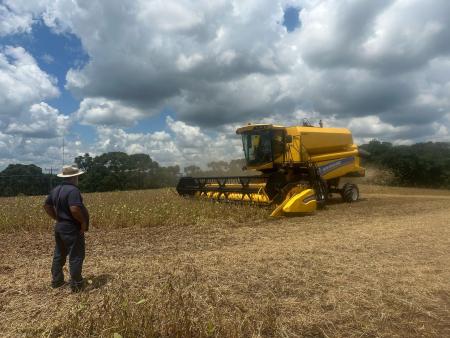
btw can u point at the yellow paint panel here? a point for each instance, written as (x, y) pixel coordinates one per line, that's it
(304, 202)
(297, 201)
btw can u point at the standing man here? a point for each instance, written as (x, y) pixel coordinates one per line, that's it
(65, 205)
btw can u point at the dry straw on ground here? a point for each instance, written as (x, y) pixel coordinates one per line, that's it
(160, 265)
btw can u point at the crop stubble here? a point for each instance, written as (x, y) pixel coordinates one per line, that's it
(160, 265)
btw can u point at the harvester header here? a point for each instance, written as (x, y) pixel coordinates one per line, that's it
(299, 168)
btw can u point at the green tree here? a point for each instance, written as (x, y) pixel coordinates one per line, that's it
(120, 171)
(84, 162)
(24, 179)
(422, 164)
(192, 170)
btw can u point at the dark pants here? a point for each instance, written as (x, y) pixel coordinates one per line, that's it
(71, 244)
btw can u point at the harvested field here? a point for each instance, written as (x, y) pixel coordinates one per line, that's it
(160, 265)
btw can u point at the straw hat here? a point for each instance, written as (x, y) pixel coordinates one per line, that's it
(70, 171)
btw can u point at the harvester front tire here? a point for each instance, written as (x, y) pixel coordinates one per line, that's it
(350, 193)
(275, 184)
(185, 186)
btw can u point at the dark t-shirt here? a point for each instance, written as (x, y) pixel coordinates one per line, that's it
(62, 198)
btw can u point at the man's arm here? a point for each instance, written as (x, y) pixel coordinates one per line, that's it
(48, 207)
(78, 214)
(76, 206)
(50, 211)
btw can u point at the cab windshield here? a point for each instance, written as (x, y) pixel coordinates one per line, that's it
(257, 147)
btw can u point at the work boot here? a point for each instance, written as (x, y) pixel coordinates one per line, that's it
(57, 284)
(78, 286)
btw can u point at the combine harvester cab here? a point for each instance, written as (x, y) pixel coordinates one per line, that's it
(300, 167)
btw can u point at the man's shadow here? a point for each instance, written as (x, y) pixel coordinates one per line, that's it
(96, 282)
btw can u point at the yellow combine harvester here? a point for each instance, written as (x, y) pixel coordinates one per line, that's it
(300, 167)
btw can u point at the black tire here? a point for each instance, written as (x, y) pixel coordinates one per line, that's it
(350, 193)
(275, 184)
(185, 186)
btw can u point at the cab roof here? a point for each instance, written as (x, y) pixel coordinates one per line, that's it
(258, 126)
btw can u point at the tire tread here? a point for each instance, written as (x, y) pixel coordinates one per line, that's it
(347, 192)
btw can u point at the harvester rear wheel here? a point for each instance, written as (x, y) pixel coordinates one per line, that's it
(350, 192)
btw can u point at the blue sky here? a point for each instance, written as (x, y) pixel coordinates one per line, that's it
(291, 18)
(176, 86)
(57, 52)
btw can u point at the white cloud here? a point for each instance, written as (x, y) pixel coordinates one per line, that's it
(29, 128)
(47, 58)
(45, 152)
(182, 144)
(22, 82)
(23, 87)
(378, 67)
(185, 63)
(101, 111)
(189, 136)
(158, 145)
(12, 23)
(18, 16)
(41, 121)
(233, 61)
(141, 57)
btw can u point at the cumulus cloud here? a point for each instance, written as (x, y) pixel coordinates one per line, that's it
(182, 144)
(45, 152)
(18, 16)
(23, 86)
(12, 23)
(232, 61)
(35, 137)
(149, 62)
(41, 121)
(159, 145)
(380, 58)
(28, 126)
(22, 82)
(101, 111)
(388, 36)
(378, 67)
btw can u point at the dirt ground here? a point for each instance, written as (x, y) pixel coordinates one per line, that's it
(376, 268)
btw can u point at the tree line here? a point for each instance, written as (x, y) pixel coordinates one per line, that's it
(120, 171)
(420, 165)
(108, 172)
(29, 179)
